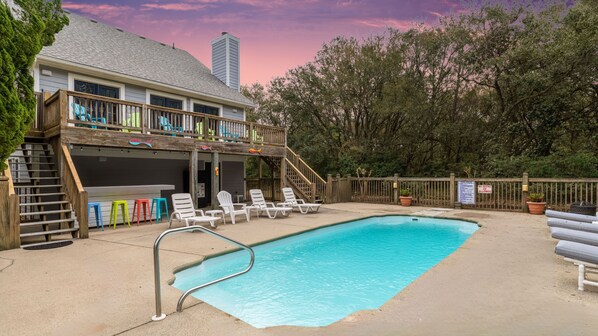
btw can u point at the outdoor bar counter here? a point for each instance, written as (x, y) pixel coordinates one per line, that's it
(105, 195)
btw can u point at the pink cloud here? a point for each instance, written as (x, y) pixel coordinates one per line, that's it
(177, 6)
(105, 11)
(384, 23)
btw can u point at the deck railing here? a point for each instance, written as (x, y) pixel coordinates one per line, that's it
(77, 109)
(503, 194)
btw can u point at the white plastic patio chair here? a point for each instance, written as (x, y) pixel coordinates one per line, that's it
(226, 203)
(292, 201)
(184, 211)
(258, 200)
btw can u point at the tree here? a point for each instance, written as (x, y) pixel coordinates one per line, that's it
(499, 88)
(25, 26)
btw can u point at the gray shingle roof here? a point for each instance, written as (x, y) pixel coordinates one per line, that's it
(105, 47)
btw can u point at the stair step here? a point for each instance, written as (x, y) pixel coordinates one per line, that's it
(50, 212)
(43, 170)
(34, 149)
(53, 242)
(44, 203)
(43, 233)
(34, 162)
(30, 156)
(40, 186)
(41, 195)
(53, 221)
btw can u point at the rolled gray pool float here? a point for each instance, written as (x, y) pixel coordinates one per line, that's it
(577, 251)
(571, 216)
(572, 225)
(582, 237)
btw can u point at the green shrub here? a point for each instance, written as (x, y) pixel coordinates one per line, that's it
(23, 37)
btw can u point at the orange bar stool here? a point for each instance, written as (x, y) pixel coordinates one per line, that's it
(124, 208)
(139, 204)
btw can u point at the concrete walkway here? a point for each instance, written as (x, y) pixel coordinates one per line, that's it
(505, 280)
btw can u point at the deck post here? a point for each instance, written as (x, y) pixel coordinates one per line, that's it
(259, 172)
(395, 187)
(215, 179)
(452, 190)
(144, 119)
(524, 192)
(9, 214)
(283, 171)
(193, 175)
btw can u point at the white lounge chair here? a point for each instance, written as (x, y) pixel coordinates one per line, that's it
(258, 200)
(226, 203)
(184, 211)
(292, 201)
(582, 255)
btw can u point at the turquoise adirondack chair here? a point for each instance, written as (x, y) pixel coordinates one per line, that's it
(167, 126)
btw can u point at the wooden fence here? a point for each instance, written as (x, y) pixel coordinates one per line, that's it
(503, 194)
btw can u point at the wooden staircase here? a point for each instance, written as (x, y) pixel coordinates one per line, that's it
(46, 214)
(300, 176)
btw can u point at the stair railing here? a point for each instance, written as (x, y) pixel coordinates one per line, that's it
(307, 171)
(74, 190)
(292, 169)
(158, 290)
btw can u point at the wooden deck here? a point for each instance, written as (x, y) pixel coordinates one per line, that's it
(85, 119)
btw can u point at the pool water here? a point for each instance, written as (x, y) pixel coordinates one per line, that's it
(319, 277)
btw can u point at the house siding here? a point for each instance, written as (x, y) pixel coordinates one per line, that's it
(229, 112)
(219, 60)
(233, 174)
(234, 70)
(135, 93)
(58, 80)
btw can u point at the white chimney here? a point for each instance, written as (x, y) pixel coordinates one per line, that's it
(225, 60)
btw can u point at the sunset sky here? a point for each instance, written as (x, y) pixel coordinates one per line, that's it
(275, 35)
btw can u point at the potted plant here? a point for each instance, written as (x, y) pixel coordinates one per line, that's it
(405, 197)
(536, 204)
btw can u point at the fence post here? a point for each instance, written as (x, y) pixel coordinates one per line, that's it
(395, 187)
(337, 195)
(452, 190)
(328, 198)
(524, 192)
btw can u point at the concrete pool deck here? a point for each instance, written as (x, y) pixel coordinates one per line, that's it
(505, 280)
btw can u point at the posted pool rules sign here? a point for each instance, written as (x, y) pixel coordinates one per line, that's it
(466, 192)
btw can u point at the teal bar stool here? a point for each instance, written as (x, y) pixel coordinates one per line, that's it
(158, 203)
(98, 212)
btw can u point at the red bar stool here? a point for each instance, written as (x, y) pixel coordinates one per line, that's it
(141, 203)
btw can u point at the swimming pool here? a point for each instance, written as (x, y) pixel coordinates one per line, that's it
(321, 276)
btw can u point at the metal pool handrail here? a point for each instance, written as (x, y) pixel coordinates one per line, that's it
(179, 308)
